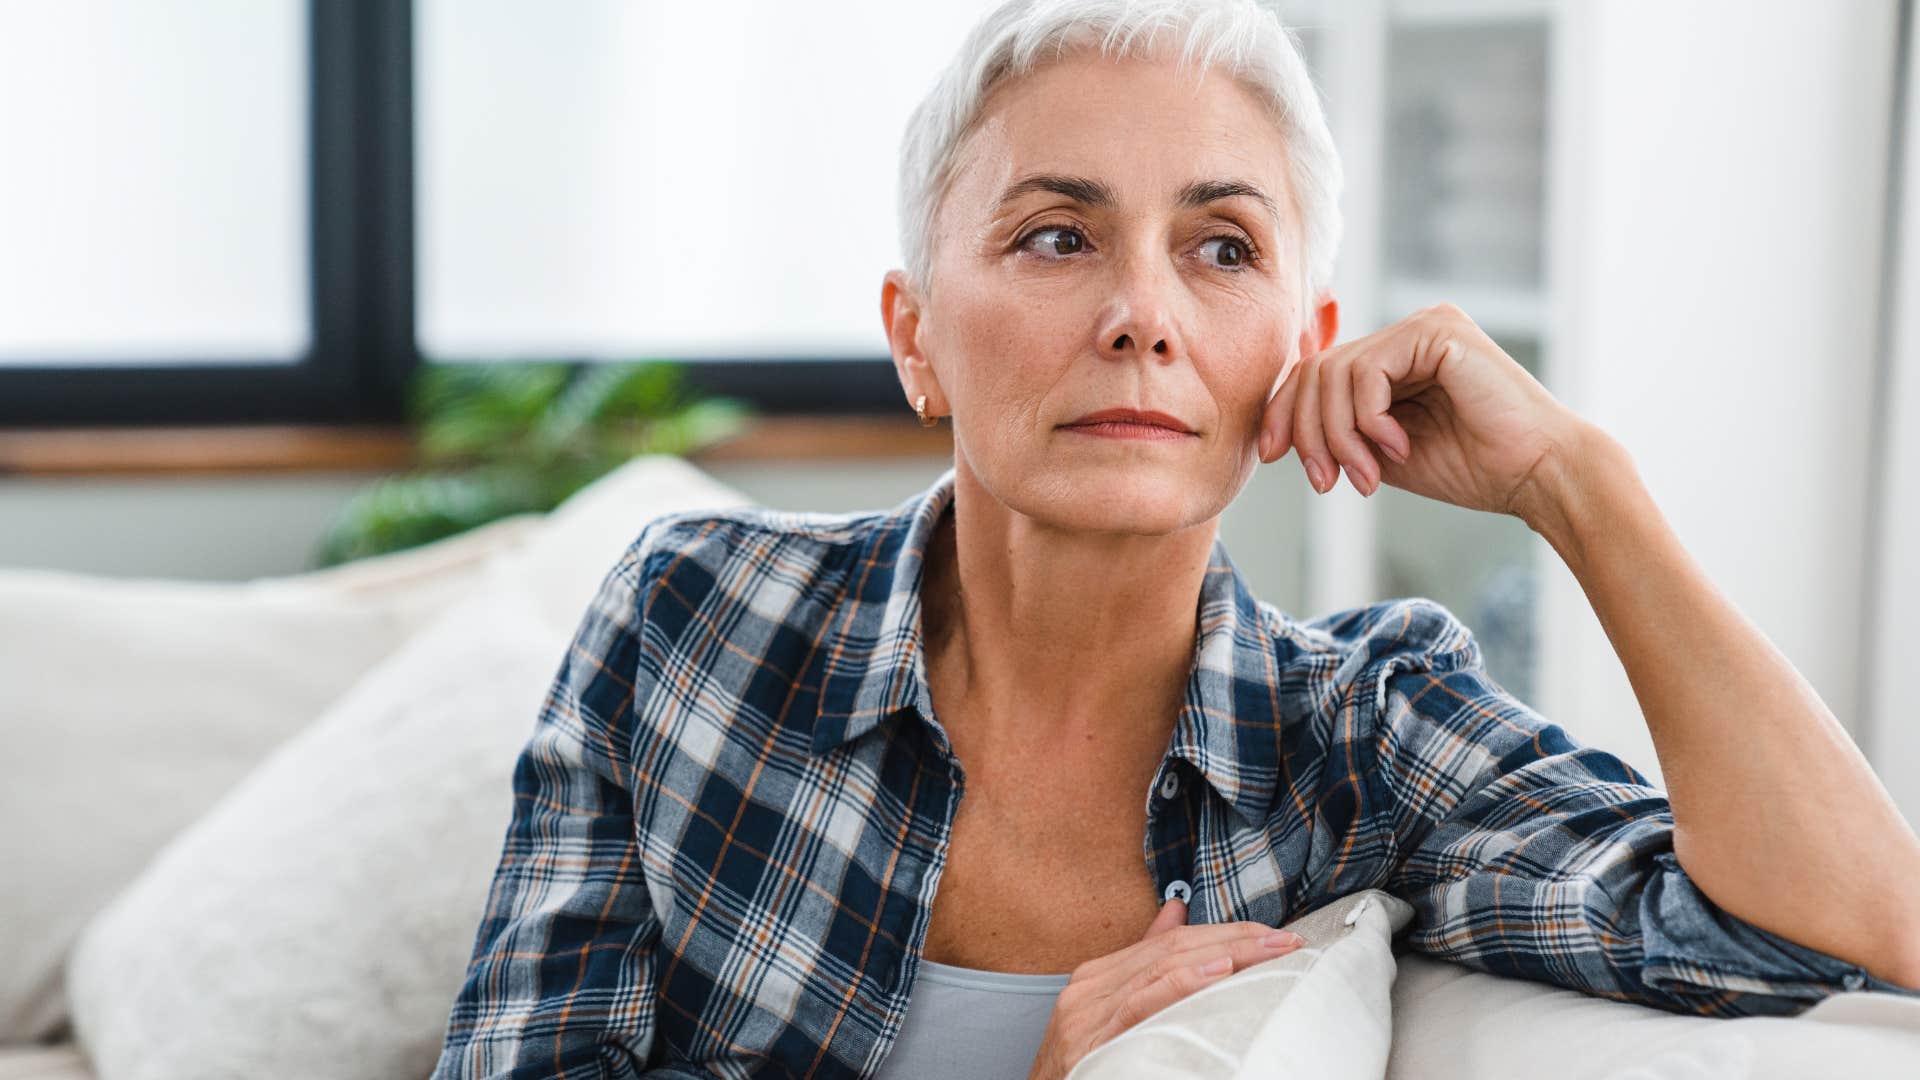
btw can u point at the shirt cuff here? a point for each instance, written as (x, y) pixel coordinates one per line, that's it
(1691, 945)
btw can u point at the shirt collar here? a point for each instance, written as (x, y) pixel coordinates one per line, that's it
(1229, 727)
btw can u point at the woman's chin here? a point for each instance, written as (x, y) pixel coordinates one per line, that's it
(1131, 496)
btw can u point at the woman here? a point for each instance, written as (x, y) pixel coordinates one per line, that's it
(740, 844)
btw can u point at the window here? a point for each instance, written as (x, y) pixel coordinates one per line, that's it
(709, 183)
(245, 210)
(203, 218)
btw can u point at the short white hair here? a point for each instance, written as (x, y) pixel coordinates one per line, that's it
(1246, 35)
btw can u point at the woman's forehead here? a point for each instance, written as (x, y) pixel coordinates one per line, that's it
(1124, 132)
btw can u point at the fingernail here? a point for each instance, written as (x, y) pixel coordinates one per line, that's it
(1313, 476)
(1398, 455)
(1281, 938)
(1353, 477)
(1266, 444)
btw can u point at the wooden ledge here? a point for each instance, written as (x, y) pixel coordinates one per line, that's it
(150, 451)
(284, 448)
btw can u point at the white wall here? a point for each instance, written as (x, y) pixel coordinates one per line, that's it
(1725, 165)
(208, 528)
(1893, 735)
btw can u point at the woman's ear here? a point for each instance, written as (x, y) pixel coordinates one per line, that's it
(900, 317)
(1325, 328)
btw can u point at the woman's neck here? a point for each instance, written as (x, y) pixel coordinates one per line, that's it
(1050, 641)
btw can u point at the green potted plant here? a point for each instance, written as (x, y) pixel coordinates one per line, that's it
(502, 438)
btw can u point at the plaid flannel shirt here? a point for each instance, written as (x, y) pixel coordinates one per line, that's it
(730, 820)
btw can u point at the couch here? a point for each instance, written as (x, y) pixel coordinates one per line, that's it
(247, 829)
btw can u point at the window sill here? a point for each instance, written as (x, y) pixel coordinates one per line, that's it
(284, 448)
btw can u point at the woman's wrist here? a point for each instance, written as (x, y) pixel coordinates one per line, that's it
(1585, 481)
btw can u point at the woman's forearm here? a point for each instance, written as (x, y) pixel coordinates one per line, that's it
(1777, 816)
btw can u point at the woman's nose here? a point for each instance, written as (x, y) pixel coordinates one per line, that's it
(1139, 318)
(1127, 341)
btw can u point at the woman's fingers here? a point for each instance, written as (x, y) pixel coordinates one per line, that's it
(1276, 421)
(1335, 409)
(1172, 913)
(1163, 939)
(1336, 415)
(1177, 986)
(1372, 398)
(1308, 442)
(1241, 951)
(1177, 975)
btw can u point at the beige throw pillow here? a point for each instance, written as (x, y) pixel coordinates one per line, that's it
(317, 921)
(129, 705)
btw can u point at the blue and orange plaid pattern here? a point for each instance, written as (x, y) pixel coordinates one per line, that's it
(730, 819)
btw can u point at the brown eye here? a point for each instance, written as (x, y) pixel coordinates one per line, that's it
(1238, 254)
(1060, 246)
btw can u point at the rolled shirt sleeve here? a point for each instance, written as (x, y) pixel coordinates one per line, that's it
(1527, 854)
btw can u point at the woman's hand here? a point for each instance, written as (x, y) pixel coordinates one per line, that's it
(1111, 993)
(1429, 404)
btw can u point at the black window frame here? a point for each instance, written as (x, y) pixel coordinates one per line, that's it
(361, 283)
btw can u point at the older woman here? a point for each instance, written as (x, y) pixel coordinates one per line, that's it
(740, 843)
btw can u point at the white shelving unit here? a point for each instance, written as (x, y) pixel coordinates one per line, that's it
(1440, 109)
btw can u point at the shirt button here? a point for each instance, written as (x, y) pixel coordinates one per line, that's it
(1178, 888)
(1854, 980)
(1170, 785)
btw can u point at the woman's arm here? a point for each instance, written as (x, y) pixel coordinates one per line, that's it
(563, 979)
(1777, 816)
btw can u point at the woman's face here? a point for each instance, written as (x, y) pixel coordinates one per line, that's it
(1144, 269)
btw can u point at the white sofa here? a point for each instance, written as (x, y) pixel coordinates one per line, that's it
(246, 829)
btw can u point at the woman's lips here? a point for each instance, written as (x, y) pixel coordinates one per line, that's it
(1122, 429)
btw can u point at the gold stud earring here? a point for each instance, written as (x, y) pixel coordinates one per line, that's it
(920, 410)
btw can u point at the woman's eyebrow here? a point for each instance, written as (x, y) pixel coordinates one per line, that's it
(1201, 192)
(1095, 193)
(1078, 188)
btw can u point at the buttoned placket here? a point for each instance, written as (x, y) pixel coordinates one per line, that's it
(1169, 841)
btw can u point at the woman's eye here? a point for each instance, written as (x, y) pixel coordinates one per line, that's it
(1060, 246)
(1238, 253)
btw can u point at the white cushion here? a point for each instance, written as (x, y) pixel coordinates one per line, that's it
(128, 705)
(1322, 1010)
(310, 924)
(1455, 1023)
(318, 921)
